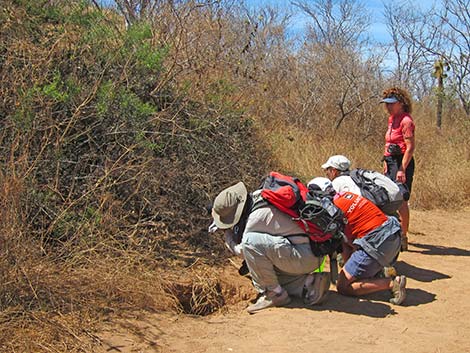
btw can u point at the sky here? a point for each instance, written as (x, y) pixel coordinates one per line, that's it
(378, 29)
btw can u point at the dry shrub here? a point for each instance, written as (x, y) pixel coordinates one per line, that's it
(442, 175)
(55, 306)
(42, 332)
(200, 294)
(304, 151)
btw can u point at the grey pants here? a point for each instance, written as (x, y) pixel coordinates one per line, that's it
(273, 260)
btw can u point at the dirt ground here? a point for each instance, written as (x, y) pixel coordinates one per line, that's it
(434, 317)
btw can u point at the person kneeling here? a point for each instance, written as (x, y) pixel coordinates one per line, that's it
(278, 255)
(374, 241)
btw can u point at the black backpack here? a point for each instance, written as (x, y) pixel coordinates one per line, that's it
(320, 210)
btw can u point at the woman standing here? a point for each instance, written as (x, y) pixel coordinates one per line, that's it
(399, 163)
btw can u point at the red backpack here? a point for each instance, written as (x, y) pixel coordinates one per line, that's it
(292, 197)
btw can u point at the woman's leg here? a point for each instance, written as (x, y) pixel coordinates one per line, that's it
(404, 212)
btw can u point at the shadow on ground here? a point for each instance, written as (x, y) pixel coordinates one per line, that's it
(427, 249)
(417, 273)
(374, 305)
(349, 305)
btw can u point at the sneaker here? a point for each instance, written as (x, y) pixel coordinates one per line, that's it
(316, 288)
(404, 243)
(398, 290)
(268, 300)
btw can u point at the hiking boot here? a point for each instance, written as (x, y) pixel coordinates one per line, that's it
(269, 299)
(404, 243)
(398, 290)
(316, 288)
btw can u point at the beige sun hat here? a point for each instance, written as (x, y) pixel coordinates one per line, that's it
(228, 206)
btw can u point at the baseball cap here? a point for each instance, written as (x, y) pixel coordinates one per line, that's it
(338, 162)
(228, 206)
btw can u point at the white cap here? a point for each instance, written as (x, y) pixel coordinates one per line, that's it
(324, 184)
(338, 162)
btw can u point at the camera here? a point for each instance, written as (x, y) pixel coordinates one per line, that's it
(394, 149)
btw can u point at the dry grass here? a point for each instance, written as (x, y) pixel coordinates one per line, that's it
(442, 176)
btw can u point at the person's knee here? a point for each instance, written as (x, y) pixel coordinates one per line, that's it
(343, 288)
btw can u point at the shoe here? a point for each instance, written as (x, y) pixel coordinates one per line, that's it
(398, 290)
(268, 300)
(404, 243)
(316, 288)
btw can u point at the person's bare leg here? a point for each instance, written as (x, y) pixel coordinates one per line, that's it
(404, 212)
(349, 285)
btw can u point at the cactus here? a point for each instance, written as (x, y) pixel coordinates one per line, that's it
(439, 67)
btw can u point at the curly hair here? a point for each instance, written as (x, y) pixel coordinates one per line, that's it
(402, 95)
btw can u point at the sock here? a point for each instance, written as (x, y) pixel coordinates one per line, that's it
(278, 289)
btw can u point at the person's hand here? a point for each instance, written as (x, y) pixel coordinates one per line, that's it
(212, 228)
(230, 243)
(401, 177)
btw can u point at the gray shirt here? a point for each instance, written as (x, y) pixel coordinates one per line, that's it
(270, 220)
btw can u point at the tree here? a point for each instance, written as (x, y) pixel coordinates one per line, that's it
(339, 81)
(340, 23)
(412, 65)
(442, 34)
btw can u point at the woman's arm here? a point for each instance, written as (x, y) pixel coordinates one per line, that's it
(410, 147)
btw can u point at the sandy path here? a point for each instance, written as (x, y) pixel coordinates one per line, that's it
(433, 319)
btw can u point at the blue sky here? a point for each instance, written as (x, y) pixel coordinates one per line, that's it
(378, 29)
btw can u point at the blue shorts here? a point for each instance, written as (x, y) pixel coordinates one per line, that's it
(360, 265)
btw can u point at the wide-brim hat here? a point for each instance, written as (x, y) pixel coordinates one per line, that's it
(228, 206)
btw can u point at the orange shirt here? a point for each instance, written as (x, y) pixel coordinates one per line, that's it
(363, 216)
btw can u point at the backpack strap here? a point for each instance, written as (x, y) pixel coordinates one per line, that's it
(239, 228)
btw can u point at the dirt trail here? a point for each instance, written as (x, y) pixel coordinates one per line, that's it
(434, 317)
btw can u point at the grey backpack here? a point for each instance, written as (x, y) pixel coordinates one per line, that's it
(381, 190)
